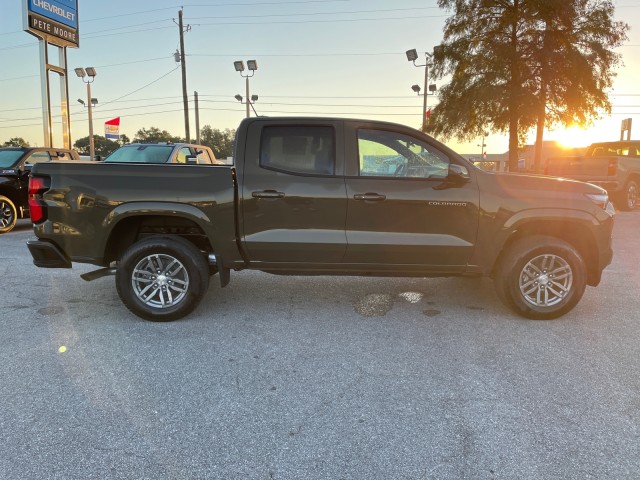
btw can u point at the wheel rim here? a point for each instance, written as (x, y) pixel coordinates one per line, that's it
(160, 281)
(632, 195)
(6, 214)
(546, 280)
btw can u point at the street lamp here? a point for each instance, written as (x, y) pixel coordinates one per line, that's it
(254, 99)
(412, 56)
(252, 65)
(90, 74)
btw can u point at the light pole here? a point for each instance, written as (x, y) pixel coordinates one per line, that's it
(252, 65)
(90, 74)
(254, 99)
(482, 145)
(412, 56)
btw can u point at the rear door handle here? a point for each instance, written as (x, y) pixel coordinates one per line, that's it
(369, 197)
(267, 194)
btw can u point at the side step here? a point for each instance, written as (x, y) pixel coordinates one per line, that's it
(102, 272)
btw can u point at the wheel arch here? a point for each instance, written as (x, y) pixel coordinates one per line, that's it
(573, 231)
(131, 223)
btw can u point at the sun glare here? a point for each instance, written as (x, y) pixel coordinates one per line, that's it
(574, 137)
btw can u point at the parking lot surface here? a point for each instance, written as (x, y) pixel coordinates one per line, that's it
(318, 377)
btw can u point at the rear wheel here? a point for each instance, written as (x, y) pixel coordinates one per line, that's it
(8, 214)
(540, 277)
(629, 196)
(162, 278)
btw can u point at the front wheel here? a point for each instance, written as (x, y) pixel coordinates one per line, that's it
(540, 277)
(162, 278)
(8, 214)
(629, 196)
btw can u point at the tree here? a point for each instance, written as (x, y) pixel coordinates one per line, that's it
(506, 56)
(102, 146)
(576, 63)
(154, 134)
(221, 142)
(16, 142)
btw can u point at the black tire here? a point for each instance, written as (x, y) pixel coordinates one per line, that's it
(540, 277)
(162, 278)
(629, 196)
(8, 214)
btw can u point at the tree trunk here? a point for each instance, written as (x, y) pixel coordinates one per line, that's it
(514, 93)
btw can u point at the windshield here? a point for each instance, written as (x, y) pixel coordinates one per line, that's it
(8, 158)
(141, 154)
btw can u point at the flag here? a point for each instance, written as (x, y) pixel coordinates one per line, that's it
(112, 129)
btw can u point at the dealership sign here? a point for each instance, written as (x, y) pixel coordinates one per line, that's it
(54, 20)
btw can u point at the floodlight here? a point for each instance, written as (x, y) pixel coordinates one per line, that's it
(239, 65)
(412, 55)
(80, 72)
(94, 101)
(254, 98)
(91, 71)
(432, 88)
(238, 97)
(81, 101)
(415, 88)
(252, 65)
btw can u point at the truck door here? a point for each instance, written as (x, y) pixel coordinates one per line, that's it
(402, 210)
(293, 193)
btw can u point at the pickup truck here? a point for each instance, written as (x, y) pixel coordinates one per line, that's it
(15, 165)
(317, 196)
(615, 166)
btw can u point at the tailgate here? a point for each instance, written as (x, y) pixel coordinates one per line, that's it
(580, 167)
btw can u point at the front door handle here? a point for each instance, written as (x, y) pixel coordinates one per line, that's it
(369, 197)
(267, 194)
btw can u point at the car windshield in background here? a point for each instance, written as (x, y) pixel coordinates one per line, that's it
(8, 158)
(141, 154)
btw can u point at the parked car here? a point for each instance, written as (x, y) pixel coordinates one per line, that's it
(615, 166)
(15, 165)
(310, 196)
(163, 153)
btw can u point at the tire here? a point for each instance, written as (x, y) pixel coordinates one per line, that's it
(162, 278)
(8, 214)
(540, 277)
(629, 196)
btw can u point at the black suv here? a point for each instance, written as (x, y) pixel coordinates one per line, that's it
(15, 166)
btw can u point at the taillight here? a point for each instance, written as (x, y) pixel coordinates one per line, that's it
(613, 167)
(37, 206)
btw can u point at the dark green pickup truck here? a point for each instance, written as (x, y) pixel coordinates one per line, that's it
(310, 196)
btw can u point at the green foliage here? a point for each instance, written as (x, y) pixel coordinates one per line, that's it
(220, 141)
(154, 134)
(514, 62)
(16, 142)
(102, 146)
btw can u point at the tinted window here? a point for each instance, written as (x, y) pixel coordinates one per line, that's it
(9, 157)
(203, 157)
(390, 154)
(141, 153)
(38, 157)
(306, 150)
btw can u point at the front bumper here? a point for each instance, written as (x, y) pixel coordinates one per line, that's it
(47, 255)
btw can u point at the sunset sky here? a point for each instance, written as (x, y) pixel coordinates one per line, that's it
(340, 58)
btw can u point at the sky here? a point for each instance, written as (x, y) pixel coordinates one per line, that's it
(343, 58)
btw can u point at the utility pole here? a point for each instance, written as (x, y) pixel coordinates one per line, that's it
(183, 62)
(195, 95)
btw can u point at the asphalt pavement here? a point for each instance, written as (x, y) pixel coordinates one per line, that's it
(318, 378)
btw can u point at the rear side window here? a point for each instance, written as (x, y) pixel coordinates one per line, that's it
(38, 157)
(303, 150)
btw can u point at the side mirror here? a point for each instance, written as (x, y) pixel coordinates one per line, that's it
(192, 160)
(458, 174)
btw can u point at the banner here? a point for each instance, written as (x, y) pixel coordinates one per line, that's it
(112, 129)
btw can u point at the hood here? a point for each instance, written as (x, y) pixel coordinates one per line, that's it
(519, 181)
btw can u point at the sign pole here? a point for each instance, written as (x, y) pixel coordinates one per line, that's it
(46, 94)
(64, 97)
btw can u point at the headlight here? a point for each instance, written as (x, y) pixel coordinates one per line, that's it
(602, 200)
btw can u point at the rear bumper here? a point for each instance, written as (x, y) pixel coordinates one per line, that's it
(47, 255)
